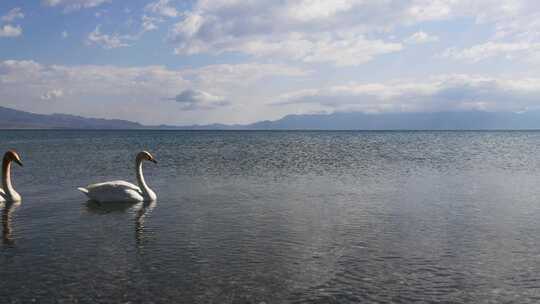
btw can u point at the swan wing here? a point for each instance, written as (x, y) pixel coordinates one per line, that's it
(113, 184)
(114, 191)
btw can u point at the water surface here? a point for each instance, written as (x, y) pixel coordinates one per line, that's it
(276, 217)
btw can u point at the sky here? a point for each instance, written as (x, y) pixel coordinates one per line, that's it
(183, 62)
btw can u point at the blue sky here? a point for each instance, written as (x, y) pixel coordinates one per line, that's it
(231, 61)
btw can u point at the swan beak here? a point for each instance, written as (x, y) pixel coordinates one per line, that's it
(154, 161)
(19, 162)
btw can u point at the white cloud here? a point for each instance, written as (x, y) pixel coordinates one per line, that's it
(162, 8)
(100, 13)
(227, 77)
(510, 50)
(333, 31)
(149, 23)
(516, 28)
(155, 13)
(421, 37)
(341, 49)
(482, 11)
(349, 51)
(89, 79)
(73, 5)
(9, 30)
(444, 93)
(308, 31)
(308, 10)
(12, 15)
(427, 10)
(106, 41)
(52, 94)
(190, 99)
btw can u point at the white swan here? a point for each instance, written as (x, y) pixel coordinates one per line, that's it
(122, 191)
(8, 194)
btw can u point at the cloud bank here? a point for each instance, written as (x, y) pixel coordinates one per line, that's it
(444, 93)
(307, 31)
(136, 93)
(342, 33)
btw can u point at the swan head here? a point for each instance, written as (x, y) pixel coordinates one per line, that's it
(12, 155)
(145, 155)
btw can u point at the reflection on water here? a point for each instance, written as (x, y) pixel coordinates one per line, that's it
(7, 229)
(140, 211)
(276, 217)
(105, 208)
(144, 210)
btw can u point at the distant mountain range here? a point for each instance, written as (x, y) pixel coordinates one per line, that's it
(15, 119)
(471, 120)
(467, 120)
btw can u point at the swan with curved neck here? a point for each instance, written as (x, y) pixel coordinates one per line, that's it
(122, 191)
(7, 192)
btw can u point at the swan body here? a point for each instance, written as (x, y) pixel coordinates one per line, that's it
(122, 191)
(7, 192)
(114, 191)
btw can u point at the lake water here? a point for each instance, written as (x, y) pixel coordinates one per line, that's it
(276, 217)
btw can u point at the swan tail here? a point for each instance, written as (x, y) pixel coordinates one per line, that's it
(83, 190)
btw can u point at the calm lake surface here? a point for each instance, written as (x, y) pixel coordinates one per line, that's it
(276, 217)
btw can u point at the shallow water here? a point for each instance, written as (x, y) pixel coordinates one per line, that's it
(276, 217)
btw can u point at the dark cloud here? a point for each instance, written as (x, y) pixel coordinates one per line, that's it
(196, 100)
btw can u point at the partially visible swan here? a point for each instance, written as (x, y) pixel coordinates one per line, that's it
(122, 191)
(7, 193)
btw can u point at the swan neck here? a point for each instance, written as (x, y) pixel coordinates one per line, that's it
(140, 179)
(6, 177)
